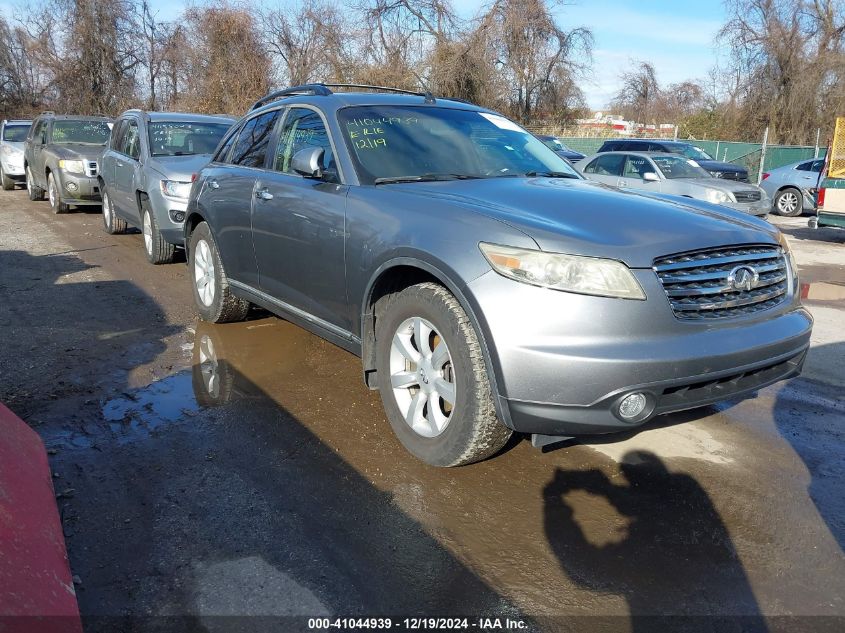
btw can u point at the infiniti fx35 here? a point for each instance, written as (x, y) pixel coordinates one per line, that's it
(486, 285)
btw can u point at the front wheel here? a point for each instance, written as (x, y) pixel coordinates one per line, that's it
(433, 380)
(8, 183)
(55, 198)
(789, 202)
(159, 250)
(35, 192)
(212, 295)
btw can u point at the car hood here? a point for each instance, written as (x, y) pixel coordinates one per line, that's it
(82, 151)
(180, 168)
(721, 184)
(587, 218)
(717, 165)
(17, 146)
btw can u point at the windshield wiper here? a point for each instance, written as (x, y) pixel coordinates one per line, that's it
(424, 178)
(551, 174)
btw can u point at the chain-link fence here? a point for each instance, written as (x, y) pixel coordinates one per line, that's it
(746, 154)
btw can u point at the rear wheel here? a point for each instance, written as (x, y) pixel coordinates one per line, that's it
(111, 223)
(35, 192)
(159, 251)
(53, 194)
(8, 183)
(433, 380)
(789, 202)
(212, 295)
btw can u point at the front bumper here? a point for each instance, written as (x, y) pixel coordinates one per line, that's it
(564, 361)
(13, 166)
(166, 210)
(759, 209)
(79, 190)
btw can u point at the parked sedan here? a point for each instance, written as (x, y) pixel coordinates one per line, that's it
(675, 175)
(557, 146)
(12, 136)
(486, 285)
(792, 188)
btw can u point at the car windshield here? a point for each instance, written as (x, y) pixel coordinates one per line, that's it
(87, 132)
(15, 133)
(696, 153)
(184, 138)
(678, 167)
(394, 143)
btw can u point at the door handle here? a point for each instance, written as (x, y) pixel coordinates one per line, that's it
(119, 164)
(263, 194)
(212, 183)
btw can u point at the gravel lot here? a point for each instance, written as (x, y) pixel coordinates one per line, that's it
(272, 485)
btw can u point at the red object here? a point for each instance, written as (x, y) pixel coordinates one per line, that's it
(820, 198)
(765, 175)
(36, 587)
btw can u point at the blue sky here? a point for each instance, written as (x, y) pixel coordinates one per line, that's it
(675, 35)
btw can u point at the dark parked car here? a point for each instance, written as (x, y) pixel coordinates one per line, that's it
(558, 147)
(487, 286)
(717, 168)
(146, 172)
(61, 157)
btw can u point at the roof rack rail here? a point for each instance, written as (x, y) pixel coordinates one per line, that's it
(305, 89)
(324, 90)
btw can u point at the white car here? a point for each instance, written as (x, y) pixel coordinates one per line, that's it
(12, 135)
(675, 175)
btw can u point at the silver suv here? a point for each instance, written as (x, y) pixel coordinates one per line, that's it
(146, 172)
(12, 136)
(486, 285)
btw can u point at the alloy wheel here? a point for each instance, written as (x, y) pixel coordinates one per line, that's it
(422, 377)
(148, 233)
(204, 272)
(788, 203)
(208, 366)
(106, 210)
(29, 181)
(51, 191)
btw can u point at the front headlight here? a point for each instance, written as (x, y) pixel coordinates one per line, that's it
(716, 197)
(176, 189)
(570, 273)
(72, 166)
(790, 258)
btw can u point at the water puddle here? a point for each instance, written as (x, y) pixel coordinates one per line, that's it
(160, 402)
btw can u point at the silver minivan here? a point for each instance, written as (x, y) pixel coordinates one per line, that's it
(675, 175)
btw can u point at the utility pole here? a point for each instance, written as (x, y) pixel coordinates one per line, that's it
(763, 155)
(818, 132)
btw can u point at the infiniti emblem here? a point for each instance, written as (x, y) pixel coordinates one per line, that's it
(423, 376)
(743, 278)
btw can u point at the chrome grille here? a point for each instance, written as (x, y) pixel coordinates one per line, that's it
(699, 285)
(747, 196)
(91, 168)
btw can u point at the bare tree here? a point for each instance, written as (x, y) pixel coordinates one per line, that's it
(639, 92)
(21, 81)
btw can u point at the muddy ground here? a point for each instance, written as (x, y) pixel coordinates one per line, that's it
(210, 472)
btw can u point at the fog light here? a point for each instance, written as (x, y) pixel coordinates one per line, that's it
(632, 406)
(71, 186)
(177, 216)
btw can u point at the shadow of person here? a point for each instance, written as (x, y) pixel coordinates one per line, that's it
(656, 541)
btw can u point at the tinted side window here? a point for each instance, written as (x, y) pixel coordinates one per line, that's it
(117, 135)
(303, 129)
(38, 132)
(610, 165)
(222, 154)
(657, 147)
(131, 142)
(251, 147)
(805, 166)
(609, 146)
(636, 166)
(818, 165)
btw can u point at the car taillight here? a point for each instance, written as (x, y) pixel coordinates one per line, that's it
(765, 175)
(820, 198)
(194, 177)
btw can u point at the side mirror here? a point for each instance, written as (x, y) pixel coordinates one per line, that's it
(306, 162)
(650, 176)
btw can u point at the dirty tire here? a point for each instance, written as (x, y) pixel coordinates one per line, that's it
(789, 202)
(473, 432)
(158, 250)
(8, 183)
(35, 192)
(112, 224)
(224, 307)
(54, 196)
